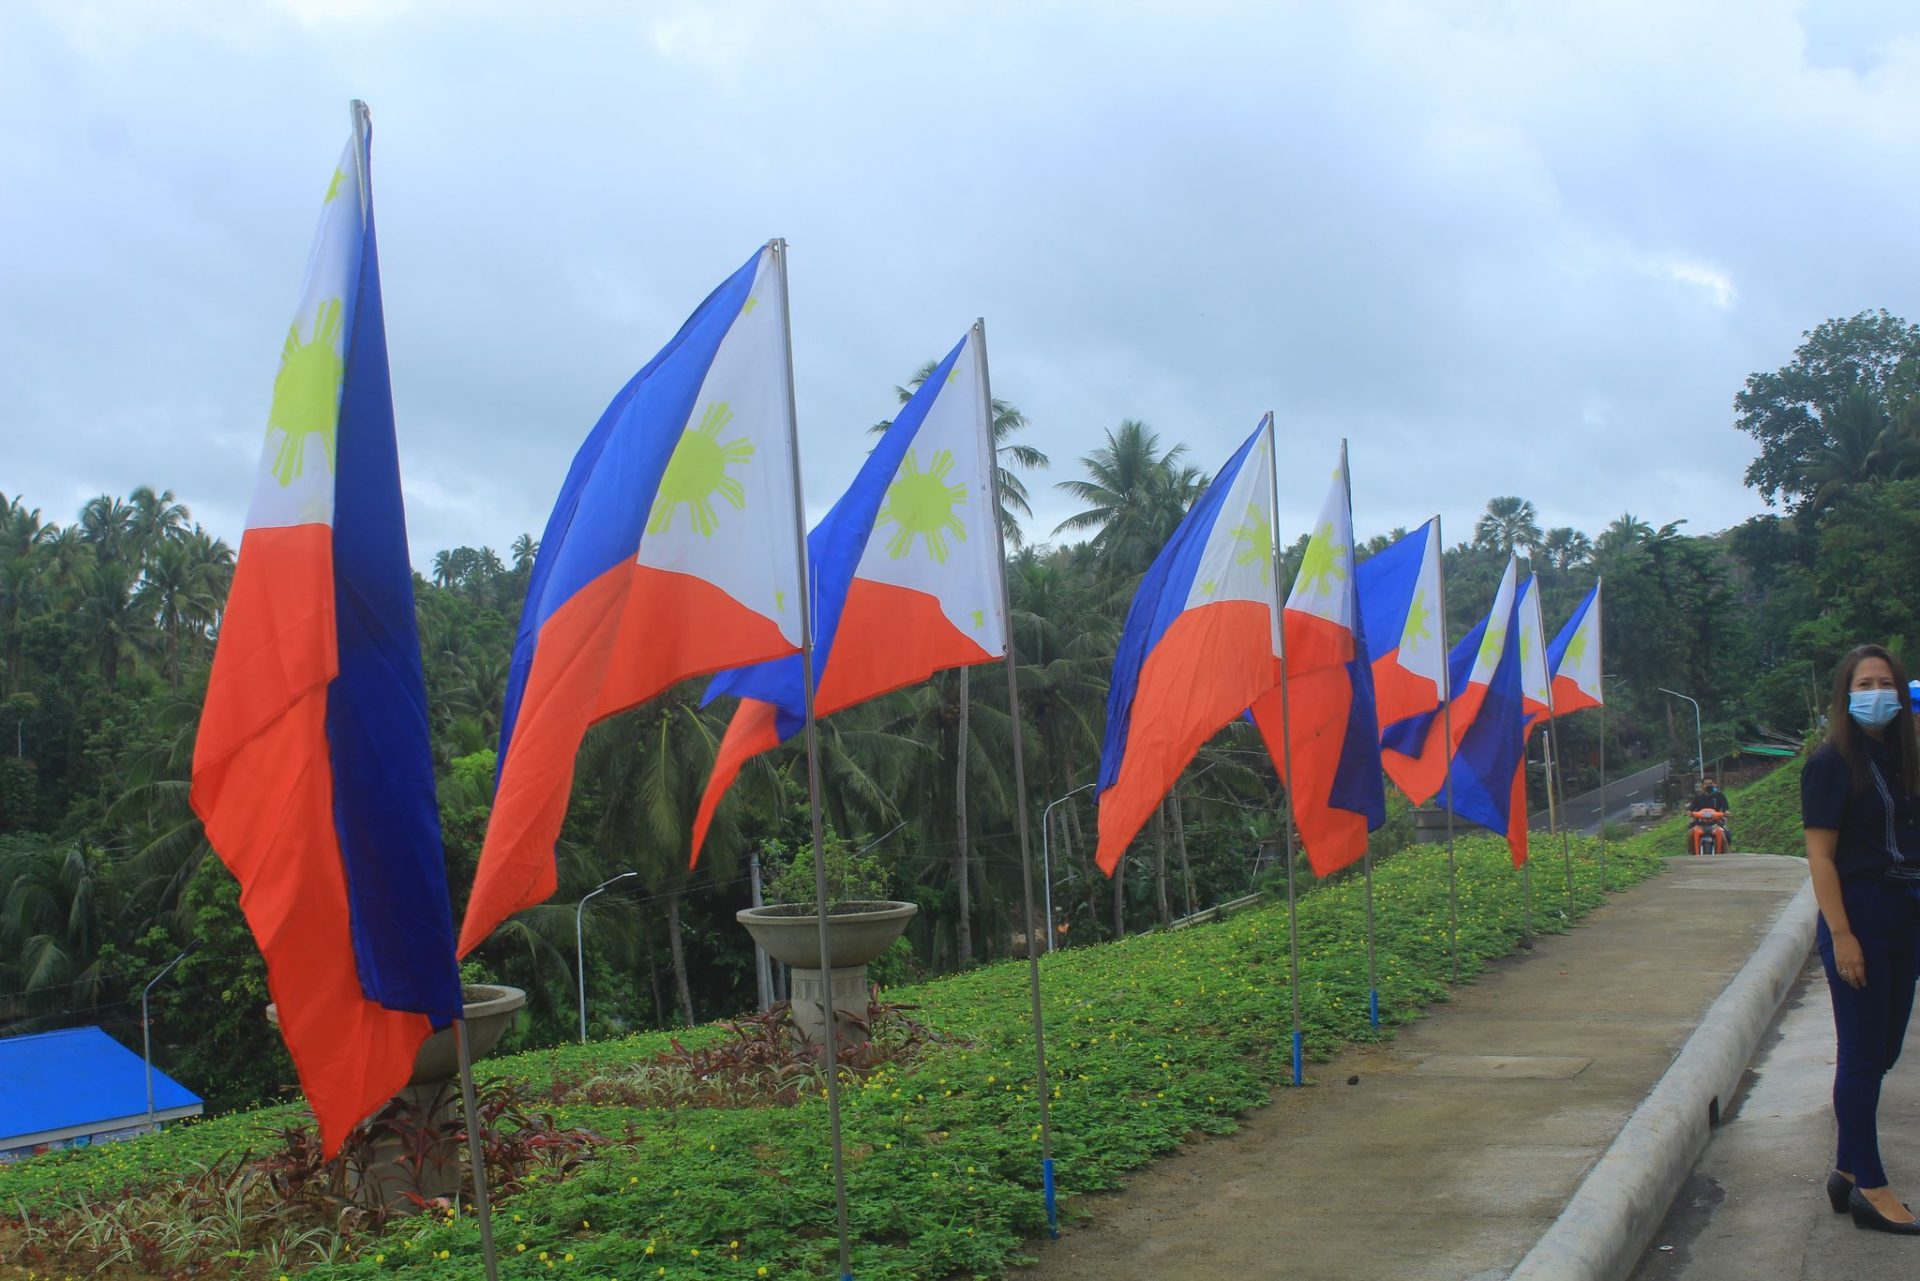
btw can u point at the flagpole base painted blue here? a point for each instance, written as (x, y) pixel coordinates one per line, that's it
(1053, 1209)
(1299, 1044)
(1373, 1008)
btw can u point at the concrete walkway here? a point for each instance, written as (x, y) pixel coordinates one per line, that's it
(1447, 1153)
(1754, 1205)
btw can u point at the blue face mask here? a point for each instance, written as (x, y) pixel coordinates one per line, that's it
(1874, 708)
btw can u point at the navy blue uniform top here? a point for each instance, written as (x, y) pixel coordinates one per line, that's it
(1879, 827)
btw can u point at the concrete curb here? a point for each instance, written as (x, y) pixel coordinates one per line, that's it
(1620, 1204)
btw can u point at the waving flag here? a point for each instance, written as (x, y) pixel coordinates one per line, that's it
(669, 554)
(1399, 591)
(1575, 659)
(1489, 765)
(1335, 788)
(1200, 645)
(1414, 751)
(1535, 684)
(312, 771)
(906, 574)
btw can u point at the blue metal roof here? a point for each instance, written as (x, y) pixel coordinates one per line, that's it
(75, 1077)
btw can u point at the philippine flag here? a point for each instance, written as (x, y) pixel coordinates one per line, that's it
(669, 554)
(1575, 659)
(1335, 789)
(1414, 752)
(312, 771)
(1399, 591)
(905, 570)
(1535, 684)
(1200, 644)
(1489, 765)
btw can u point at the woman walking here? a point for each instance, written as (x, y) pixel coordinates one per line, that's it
(1860, 804)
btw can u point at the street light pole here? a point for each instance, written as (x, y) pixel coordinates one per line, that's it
(146, 1026)
(1046, 862)
(1699, 747)
(580, 945)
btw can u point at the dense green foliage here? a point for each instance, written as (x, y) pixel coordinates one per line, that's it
(107, 626)
(1150, 1041)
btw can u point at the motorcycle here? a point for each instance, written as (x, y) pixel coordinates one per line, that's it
(1707, 834)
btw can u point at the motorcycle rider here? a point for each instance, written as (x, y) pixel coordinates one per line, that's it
(1708, 796)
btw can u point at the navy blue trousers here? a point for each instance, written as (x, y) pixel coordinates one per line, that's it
(1871, 1022)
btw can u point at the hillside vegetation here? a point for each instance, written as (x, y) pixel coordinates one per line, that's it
(1151, 1040)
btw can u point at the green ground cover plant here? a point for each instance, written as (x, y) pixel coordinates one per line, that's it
(1152, 1040)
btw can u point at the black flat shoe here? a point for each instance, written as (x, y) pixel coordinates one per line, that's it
(1865, 1216)
(1839, 1189)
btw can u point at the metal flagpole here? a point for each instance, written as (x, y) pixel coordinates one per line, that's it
(1606, 884)
(1286, 751)
(762, 964)
(1041, 1087)
(1600, 677)
(1526, 868)
(1446, 728)
(475, 1157)
(1556, 782)
(1526, 881)
(779, 248)
(1366, 859)
(362, 127)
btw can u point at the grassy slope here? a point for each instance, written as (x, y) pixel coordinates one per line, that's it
(1764, 816)
(1149, 1041)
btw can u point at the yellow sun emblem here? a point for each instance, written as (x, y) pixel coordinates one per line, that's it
(921, 504)
(306, 393)
(1491, 643)
(697, 471)
(1415, 629)
(1255, 536)
(1322, 567)
(1576, 648)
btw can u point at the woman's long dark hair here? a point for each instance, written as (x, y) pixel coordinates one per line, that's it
(1851, 741)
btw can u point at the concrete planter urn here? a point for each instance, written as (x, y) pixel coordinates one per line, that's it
(431, 1099)
(857, 932)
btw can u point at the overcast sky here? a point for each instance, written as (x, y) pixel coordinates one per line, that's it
(1524, 248)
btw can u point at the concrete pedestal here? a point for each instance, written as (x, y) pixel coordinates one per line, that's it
(418, 1153)
(849, 998)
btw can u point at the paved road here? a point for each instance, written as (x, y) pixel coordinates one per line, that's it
(1582, 813)
(1755, 1205)
(1444, 1154)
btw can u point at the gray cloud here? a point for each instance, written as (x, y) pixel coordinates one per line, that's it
(1502, 250)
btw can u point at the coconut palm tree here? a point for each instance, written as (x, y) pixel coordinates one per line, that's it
(53, 905)
(1511, 524)
(117, 628)
(107, 525)
(157, 520)
(525, 550)
(182, 592)
(1863, 446)
(1623, 531)
(1565, 548)
(1136, 495)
